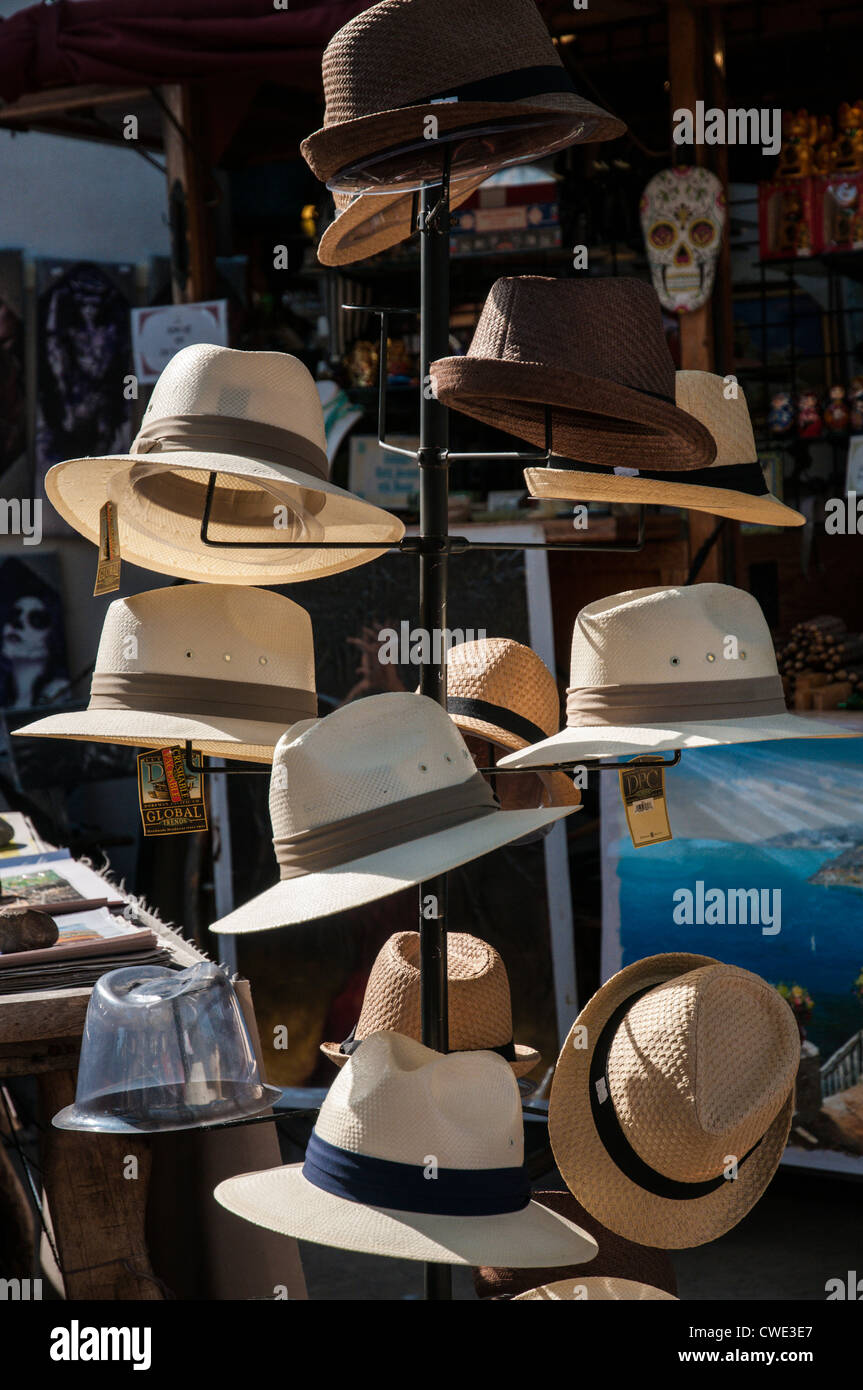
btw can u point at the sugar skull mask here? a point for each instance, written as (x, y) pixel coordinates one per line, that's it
(683, 218)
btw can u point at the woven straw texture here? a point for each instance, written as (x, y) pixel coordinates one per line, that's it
(595, 351)
(159, 494)
(214, 632)
(372, 753)
(399, 53)
(667, 636)
(400, 1101)
(480, 1008)
(701, 1068)
(616, 1258)
(605, 1290)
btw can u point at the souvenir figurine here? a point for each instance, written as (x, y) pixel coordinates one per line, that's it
(809, 423)
(795, 156)
(823, 160)
(845, 198)
(836, 411)
(855, 405)
(362, 364)
(848, 146)
(683, 220)
(793, 232)
(780, 417)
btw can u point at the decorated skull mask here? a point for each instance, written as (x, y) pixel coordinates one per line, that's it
(683, 217)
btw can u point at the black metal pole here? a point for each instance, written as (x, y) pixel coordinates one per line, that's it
(434, 525)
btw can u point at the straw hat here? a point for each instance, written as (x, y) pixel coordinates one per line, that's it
(689, 1064)
(416, 1155)
(480, 1011)
(654, 669)
(592, 350)
(468, 63)
(228, 668)
(503, 692)
(255, 419)
(606, 1289)
(368, 223)
(380, 795)
(733, 485)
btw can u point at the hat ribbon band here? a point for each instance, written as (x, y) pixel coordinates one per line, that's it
(610, 1131)
(747, 478)
(355, 837)
(379, 1182)
(505, 1050)
(228, 434)
(692, 701)
(505, 719)
(202, 696)
(545, 78)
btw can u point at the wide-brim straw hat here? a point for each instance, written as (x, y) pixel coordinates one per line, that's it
(662, 668)
(677, 1066)
(224, 667)
(501, 691)
(732, 486)
(380, 795)
(472, 66)
(416, 1155)
(480, 1008)
(592, 351)
(255, 420)
(606, 1290)
(368, 223)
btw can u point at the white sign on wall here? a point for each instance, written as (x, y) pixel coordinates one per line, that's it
(162, 330)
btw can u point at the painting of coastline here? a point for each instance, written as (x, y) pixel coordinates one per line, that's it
(765, 871)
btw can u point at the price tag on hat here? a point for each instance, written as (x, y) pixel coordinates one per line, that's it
(108, 570)
(171, 792)
(642, 790)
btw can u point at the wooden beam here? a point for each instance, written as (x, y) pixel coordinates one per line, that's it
(190, 185)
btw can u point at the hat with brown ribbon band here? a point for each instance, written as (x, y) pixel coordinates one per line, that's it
(672, 1098)
(663, 668)
(224, 667)
(378, 796)
(733, 485)
(590, 352)
(480, 1010)
(253, 423)
(485, 70)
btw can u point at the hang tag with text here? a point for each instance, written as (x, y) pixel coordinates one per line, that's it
(171, 792)
(642, 790)
(108, 571)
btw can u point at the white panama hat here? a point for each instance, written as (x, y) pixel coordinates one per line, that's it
(604, 1290)
(416, 1155)
(656, 669)
(224, 667)
(255, 420)
(379, 795)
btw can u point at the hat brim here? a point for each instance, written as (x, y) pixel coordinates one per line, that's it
(341, 146)
(372, 223)
(283, 1200)
(593, 419)
(92, 1122)
(612, 741)
(242, 739)
(526, 1058)
(591, 1174)
(572, 486)
(561, 788)
(379, 875)
(165, 538)
(593, 1289)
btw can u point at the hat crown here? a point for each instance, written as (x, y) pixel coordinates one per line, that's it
(609, 328)
(671, 636)
(270, 388)
(402, 52)
(372, 753)
(706, 397)
(398, 1100)
(700, 1067)
(217, 631)
(480, 1011)
(505, 673)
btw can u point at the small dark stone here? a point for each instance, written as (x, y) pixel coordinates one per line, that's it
(7, 834)
(24, 928)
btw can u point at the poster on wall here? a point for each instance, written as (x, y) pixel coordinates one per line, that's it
(15, 478)
(83, 356)
(160, 331)
(33, 665)
(765, 871)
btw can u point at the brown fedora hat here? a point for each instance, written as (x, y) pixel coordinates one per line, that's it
(368, 223)
(480, 1011)
(483, 66)
(594, 351)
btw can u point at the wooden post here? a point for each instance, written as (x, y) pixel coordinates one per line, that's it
(190, 187)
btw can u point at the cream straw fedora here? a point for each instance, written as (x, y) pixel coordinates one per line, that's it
(654, 669)
(415, 1155)
(480, 1010)
(254, 419)
(225, 667)
(379, 795)
(670, 1122)
(566, 1290)
(732, 486)
(501, 691)
(367, 223)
